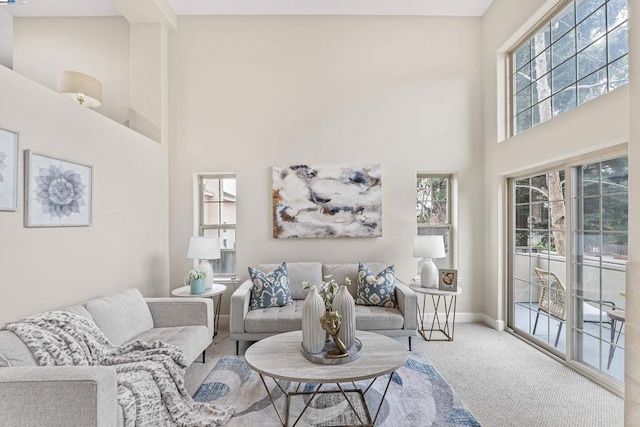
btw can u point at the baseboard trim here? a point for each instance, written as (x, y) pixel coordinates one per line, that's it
(498, 325)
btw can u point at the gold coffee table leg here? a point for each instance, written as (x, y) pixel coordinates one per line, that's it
(271, 398)
(313, 395)
(383, 397)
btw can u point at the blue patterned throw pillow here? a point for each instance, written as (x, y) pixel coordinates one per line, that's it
(378, 290)
(270, 289)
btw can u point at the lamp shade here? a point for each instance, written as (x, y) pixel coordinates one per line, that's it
(429, 247)
(203, 248)
(81, 88)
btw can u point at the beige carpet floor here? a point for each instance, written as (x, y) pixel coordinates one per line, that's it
(501, 379)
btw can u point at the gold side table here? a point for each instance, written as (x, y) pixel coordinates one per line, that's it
(444, 302)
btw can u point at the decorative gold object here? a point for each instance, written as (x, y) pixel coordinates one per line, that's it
(355, 351)
(331, 321)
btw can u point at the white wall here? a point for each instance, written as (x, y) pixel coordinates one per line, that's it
(247, 93)
(632, 363)
(603, 122)
(6, 39)
(95, 46)
(127, 243)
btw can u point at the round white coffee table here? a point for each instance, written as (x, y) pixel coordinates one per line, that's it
(438, 297)
(214, 292)
(279, 357)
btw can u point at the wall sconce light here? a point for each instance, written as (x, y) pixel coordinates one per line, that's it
(82, 88)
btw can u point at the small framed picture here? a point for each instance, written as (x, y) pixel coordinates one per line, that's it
(448, 280)
(8, 170)
(57, 192)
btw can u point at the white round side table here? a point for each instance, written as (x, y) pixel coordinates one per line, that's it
(437, 297)
(215, 293)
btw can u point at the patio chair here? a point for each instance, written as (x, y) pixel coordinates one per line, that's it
(552, 302)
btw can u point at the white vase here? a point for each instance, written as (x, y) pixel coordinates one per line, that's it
(313, 336)
(429, 274)
(344, 304)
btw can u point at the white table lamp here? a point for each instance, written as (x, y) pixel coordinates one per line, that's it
(204, 249)
(429, 247)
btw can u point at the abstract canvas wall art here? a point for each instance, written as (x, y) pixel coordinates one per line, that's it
(327, 201)
(8, 170)
(57, 192)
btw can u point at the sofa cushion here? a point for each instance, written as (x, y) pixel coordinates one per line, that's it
(191, 339)
(80, 310)
(342, 271)
(275, 319)
(299, 272)
(13, 352)
(376, 289)
(121, 317)
(372, 318)
(269, 289)
(289, 318)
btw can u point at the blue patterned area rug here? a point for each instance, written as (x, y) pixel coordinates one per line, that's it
(418, 396)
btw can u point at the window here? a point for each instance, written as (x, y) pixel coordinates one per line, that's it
(576, 56)
(217, 218)
(433, 211)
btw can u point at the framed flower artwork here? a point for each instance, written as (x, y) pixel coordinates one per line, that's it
(8, 170)
(57, 192)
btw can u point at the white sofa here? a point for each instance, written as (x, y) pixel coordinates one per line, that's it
(254, 325)
(32, 395)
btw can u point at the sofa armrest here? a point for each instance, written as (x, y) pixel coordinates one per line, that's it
(408, 305)
(239, 307)
(59, 396)
(168, 312)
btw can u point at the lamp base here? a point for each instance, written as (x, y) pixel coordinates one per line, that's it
(429, 274)
(208, 279)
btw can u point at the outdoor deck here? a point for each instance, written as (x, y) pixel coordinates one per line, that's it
(595, 350)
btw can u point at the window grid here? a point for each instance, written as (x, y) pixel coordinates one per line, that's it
(600, 233)
(442, 227)
(538, 238)
(525, 106)
(219, 222)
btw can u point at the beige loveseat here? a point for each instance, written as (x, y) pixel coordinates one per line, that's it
(254, 325)
(32, 395)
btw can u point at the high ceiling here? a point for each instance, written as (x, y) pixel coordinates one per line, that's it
(39, 8)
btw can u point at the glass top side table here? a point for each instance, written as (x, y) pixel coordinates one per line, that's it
(444, 304)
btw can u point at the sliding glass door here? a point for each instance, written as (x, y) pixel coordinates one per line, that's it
(539, 246)
(600, 212)
(567, 263)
